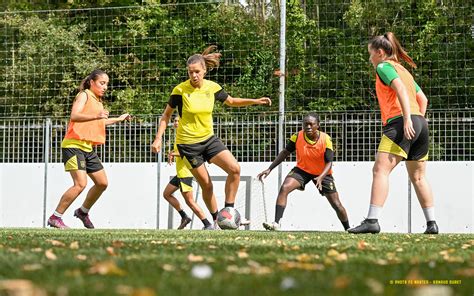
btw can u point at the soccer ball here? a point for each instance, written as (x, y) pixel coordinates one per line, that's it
(228, 218)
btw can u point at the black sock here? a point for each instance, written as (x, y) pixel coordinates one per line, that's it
(279, 213)
(206, 222)
(372, 220)
(214, 216)
(182, 214)
(228, 204)
(346, 224)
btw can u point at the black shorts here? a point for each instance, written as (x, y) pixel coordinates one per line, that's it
(303, 178)
(184, 184)
(196, 154)
(76, 159)
(394, 142)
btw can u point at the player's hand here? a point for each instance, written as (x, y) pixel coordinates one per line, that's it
(103, 114)
(125, 116)
(170, 157)
(264, 101)
(408, 129)
(263, 175)
(156, 146)
(319, 182)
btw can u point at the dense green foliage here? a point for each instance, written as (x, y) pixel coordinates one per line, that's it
(143, 46)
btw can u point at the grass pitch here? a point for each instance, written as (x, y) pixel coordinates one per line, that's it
(188, 262)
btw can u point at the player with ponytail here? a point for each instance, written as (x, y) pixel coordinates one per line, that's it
(405, 130)
(196, 142)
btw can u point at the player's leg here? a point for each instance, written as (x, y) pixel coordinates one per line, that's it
(79, 178)
(201, 175)
(384, 164)
(416, 171)
(188, 197)
(289, 184)
(100, 185)
(226, 161)
(336, 204)
(168, 194)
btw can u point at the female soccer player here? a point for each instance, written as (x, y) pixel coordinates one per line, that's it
(314, 155)
(195, 99)
(405, 130)
(86, 129)
(184, 181)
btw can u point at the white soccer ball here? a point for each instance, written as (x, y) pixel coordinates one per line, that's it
(228, 218)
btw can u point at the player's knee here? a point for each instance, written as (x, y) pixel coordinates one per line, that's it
(285, 188)
(234, 169)
(102, 186)
(207, 186)
(80, 186)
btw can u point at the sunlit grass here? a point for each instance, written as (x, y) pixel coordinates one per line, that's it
(169, 262)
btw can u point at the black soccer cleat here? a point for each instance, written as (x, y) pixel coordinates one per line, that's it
(431, 228)
(367, 226)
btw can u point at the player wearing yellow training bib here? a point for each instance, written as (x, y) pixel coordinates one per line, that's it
(194, 99)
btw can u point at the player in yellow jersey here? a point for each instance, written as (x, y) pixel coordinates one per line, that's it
(184, 182)
(197, 144)
(405, 131)
(86, 129)
(314, 156)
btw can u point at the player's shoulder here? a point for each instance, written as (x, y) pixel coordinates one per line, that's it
(294, 137)
(212, 86)
(179, 89)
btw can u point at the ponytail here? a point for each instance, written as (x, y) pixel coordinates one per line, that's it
(207, 59)
(392, 47)
(86, 82)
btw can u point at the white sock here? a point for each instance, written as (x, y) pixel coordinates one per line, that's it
(429, 214)
(374, 212)
(84, 210)
(56, 214)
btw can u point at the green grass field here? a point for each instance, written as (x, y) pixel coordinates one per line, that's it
(170, 262)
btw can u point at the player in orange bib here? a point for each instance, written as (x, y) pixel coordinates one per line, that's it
(86, 129)
(405, 131)
(314, 156)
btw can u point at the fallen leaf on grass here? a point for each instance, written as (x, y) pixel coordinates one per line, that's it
(430, 290)
(168, 267)
(50, 255)
(336, 255)
(303, 258)
(242, 254)
(32, 267)
(56, 243)
(117, 244)
(81, 257)
(301, 265)
(20, 287)
(290, 236)
(361, 245)
(341, 282)
(375, 286)
(74, 245)
(212, 247)
(106, 268)
(110, 251)
(143, 292)
(466, 272)
(414, 276)
(195, 258)
(37, 250)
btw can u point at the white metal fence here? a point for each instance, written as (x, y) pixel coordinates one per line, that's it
(251, 137)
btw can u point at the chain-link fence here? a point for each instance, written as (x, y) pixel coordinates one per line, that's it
(249, 136)
(45, 54)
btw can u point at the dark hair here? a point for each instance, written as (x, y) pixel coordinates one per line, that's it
(207, 59)
(390, 44)
(86, 83)
(313, 115)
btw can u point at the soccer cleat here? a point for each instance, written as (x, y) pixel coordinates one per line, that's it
(209, 227)
(274, 226)
(184, 222)
(56, 222)
(431, 228)
(84, 218)
(244, 222)
(367, 226)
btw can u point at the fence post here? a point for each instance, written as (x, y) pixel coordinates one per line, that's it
(281, 106)
(409, 205)
(46, 150)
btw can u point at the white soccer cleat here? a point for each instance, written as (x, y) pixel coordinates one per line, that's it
(244, 222)
(274, 226)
